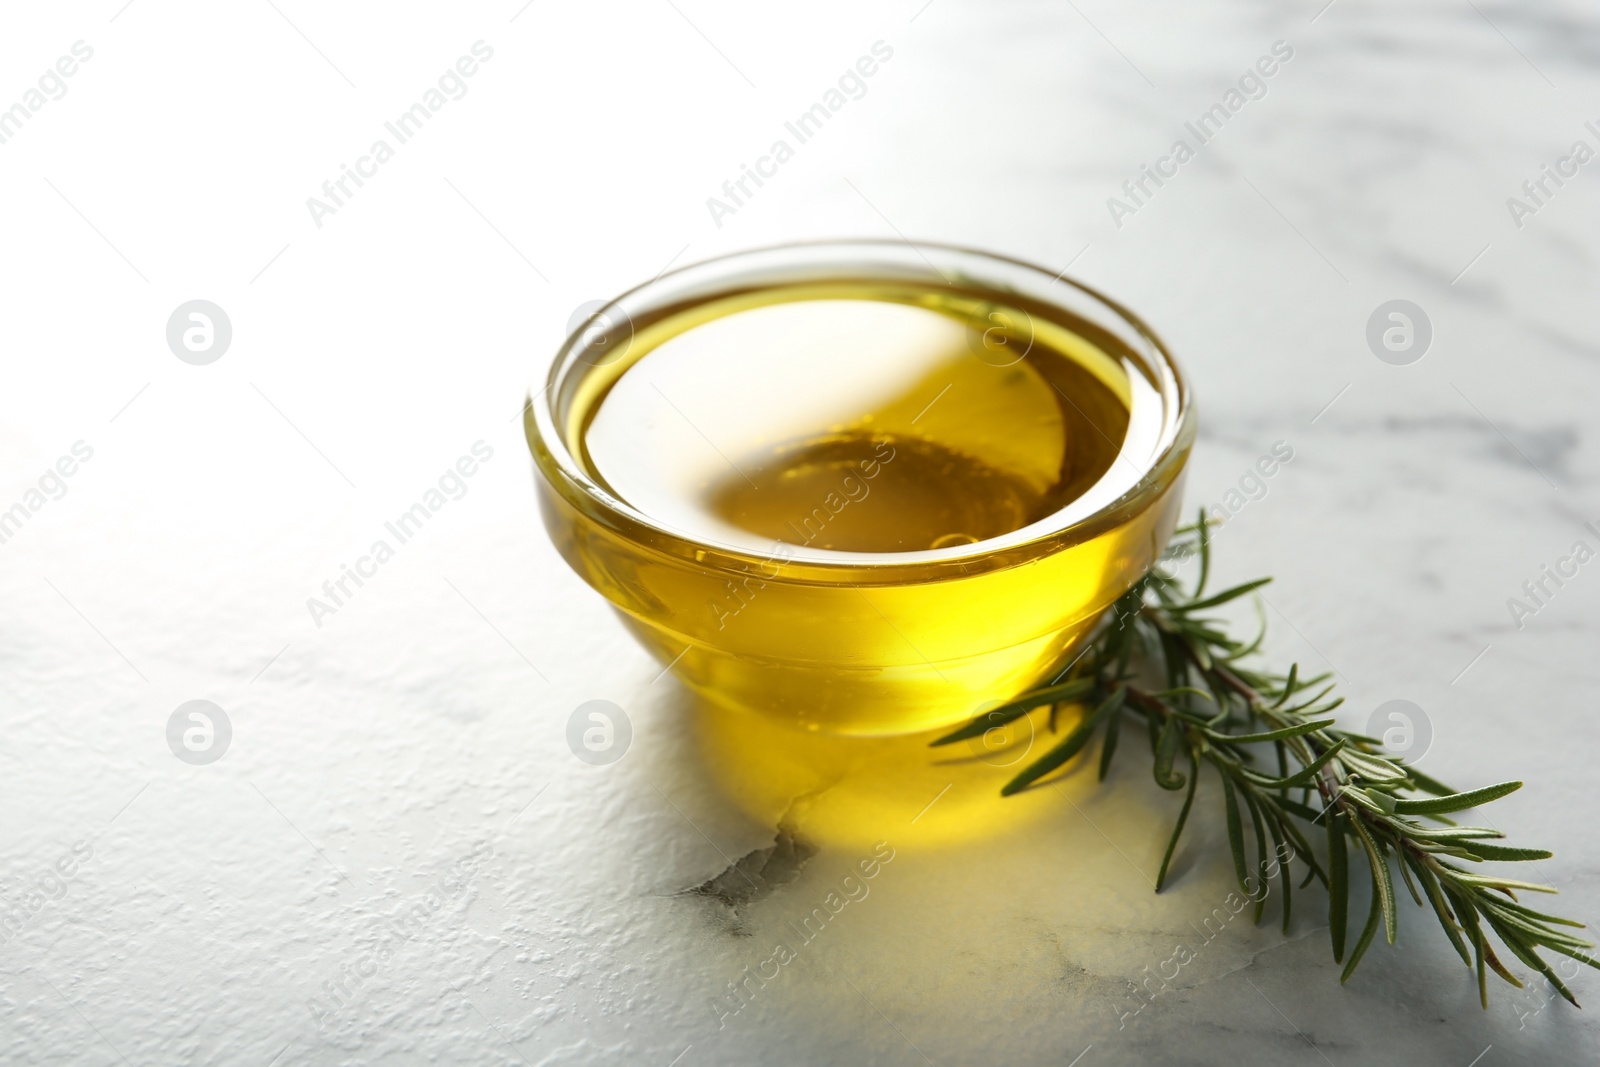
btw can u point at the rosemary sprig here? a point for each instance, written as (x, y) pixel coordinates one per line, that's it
(1207, 708)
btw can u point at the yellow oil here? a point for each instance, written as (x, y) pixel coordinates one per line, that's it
(1002, 453)
(867, 492)
(935, 497)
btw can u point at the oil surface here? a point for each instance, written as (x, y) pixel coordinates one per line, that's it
(827, 493)
(893, 428)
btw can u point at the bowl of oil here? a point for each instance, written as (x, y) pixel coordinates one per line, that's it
(861, 487)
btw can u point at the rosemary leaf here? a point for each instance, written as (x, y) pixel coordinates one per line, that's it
(1373, 915)
(1183, 817)
(1455, 801)
(1235, 830)
(1338, 886)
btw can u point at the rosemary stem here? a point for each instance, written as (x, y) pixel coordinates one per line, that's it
(1155, 630)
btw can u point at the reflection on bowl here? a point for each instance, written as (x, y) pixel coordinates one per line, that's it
(863, 488)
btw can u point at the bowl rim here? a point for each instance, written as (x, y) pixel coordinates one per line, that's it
(574, 485)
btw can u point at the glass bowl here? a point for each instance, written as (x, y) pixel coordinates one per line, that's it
(851, 642)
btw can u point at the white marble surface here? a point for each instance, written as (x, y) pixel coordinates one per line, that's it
(416, 738)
